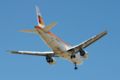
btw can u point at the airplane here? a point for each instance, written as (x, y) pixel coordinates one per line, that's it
(75, 54)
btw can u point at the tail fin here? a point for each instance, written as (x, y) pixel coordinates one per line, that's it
(39, 18)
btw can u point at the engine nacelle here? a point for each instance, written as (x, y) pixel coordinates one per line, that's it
(83, 53)
(50, 60)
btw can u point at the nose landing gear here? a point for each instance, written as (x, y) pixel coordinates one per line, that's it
(75, 66)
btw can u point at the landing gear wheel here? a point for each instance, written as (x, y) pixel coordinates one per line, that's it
(73, 56)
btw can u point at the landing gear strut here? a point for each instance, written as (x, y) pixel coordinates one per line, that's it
(75, 66)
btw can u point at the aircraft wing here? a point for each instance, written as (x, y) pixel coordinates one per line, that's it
(51, 54)
(88, 42)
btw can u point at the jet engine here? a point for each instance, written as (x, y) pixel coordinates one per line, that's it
(83, 53)
(50, 60)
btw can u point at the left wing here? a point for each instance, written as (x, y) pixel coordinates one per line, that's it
(51, 54)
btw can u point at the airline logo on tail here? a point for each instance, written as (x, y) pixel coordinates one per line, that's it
(41, 22)
(39, 18)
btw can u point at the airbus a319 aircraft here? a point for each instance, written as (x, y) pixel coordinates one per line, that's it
(75, 54)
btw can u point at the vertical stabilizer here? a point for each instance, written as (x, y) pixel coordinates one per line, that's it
(39, 18)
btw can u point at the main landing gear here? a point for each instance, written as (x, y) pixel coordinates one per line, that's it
(75, 66)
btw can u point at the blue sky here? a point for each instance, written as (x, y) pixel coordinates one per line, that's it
(77, 20)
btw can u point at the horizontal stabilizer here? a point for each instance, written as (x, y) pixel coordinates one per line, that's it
(49, 27)
(28, 31)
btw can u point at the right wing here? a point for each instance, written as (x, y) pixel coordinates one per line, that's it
(88, 42)
(51, 54)
(92, 40)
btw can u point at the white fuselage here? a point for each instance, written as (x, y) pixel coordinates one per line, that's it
(57, 45)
